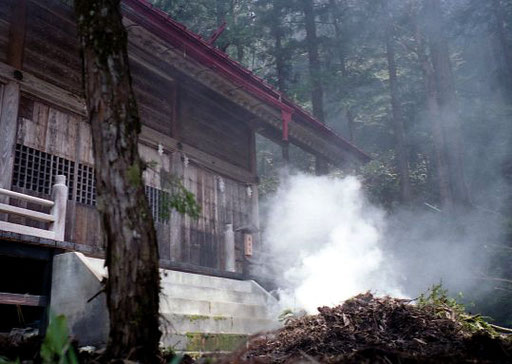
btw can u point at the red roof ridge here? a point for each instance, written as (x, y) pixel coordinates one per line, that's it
(236, 71)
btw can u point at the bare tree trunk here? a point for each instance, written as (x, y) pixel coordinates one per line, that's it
(317, 92)
(506, 48)
(277, 32)
(447, 101)
(335, 13)
(397, 119)
(437, 130)
(131, 247)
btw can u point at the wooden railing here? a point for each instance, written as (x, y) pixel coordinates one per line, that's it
(56, 218)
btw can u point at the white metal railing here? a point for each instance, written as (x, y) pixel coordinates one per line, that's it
(56, 218)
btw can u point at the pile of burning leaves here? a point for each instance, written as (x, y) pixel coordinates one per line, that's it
(367, 329)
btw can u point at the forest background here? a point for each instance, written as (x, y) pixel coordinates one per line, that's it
(423, 86)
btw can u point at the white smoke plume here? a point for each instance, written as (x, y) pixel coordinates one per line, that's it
(326, 242)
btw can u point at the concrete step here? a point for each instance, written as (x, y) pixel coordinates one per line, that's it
(195, 293)
(197, 280)
(211, 308)
(183, 324)
(198, 342)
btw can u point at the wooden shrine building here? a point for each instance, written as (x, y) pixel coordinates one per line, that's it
(200, 112)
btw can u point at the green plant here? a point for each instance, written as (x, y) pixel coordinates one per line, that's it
(4, 360)
(437, 299)
(56, 347)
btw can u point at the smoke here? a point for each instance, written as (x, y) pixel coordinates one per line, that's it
(325, 240)
(327, 243)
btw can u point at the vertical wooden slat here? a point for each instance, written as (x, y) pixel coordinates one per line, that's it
(8, 127)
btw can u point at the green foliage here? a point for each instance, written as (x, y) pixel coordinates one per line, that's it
(179, 198)
(7, 361)
(56, 347)
(437, 299)
(288, 315)
(134, 176)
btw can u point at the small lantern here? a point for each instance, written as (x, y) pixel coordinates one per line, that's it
(248, 245)
(222, 185)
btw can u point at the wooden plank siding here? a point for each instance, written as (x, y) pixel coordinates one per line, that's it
(52, 48)
(5, 18)
(206, 140)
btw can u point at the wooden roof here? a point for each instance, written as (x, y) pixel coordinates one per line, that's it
(196, 48)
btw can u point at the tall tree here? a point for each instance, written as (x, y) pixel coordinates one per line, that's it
(315, 72)
(447, 101)
(501, 34)
(433, 115)
(278, 34)
(396, 107)
(133, 283)
(334, 8)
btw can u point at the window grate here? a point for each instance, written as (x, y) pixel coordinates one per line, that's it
(158, 203)
(86, 185)
(36, 170)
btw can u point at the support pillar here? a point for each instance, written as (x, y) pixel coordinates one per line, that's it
(8, 125)
(321, 166)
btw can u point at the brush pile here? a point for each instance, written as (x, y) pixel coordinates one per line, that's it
(367, 329)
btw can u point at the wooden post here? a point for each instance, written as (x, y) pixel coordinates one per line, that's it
(285, 150)
(229, 248)
(321, 166)
(8, 126)
(17, 33)
(60, 198)
(11, 95)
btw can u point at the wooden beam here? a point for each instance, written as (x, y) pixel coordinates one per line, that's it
(17, 33)
(23, 299)
(21, 248)
(153, 138)
(43, 90)
(8, 128)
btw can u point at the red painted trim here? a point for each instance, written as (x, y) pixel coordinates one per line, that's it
(192, 45)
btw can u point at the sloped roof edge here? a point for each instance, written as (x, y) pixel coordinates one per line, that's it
(197, 48)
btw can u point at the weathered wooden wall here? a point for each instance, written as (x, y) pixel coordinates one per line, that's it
(52, 139)
(5, 12)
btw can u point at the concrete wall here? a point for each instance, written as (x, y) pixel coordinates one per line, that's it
(195, 309)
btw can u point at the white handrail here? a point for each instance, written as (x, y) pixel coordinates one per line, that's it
(56, 217)
(22, 196)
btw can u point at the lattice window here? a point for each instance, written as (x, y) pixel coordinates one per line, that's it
(36, 170)
(86, 185)
(158, 203)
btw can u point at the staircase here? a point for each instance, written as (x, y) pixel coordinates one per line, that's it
(202, 313)
(211, 313)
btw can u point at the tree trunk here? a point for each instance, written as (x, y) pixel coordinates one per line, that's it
(277, 32)
(397, 119)
(506, 48)
(315, 72)
(338, 36)
(437, 130)
(133, 283)
(447, 101)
